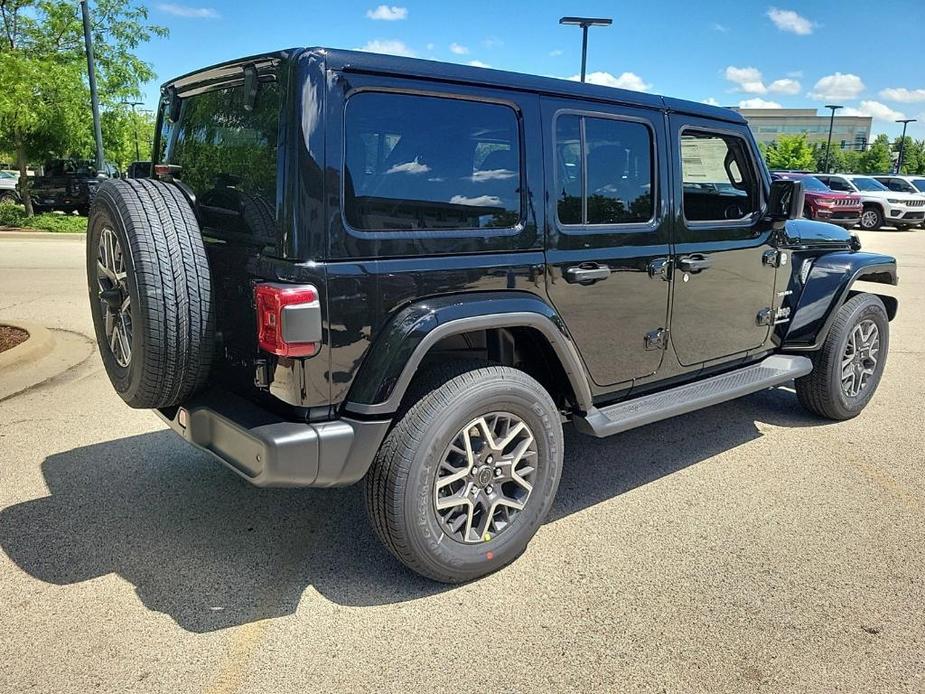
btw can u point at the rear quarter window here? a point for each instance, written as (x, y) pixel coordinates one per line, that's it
(227, 155)
(430, 163)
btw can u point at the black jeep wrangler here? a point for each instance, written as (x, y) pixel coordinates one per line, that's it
(67, 185)
(361, 267)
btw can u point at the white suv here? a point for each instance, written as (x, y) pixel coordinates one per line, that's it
(881, 205)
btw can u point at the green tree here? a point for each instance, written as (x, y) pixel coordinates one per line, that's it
(878, 158)
(912, 155)
(44, 98)
(122, 131)
(790, 152)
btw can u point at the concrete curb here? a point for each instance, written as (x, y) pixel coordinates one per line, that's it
(14, 233)
(39, 343)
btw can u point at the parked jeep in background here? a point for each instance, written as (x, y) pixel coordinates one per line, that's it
(8, 188)
(825, 204)
(68, 185)
(881, 205)
(914, 185)
(364, 267)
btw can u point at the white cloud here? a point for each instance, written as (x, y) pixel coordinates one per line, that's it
(389, 46)
(478, 201)
(555, 53)
(478, 63)
(187, 11)
(903, 95)
(431, 46)
(875, 110)
(747, 79)
(626, 80)
(758, 102)
(798, 74)
(388, 13)
(838, 86)
(784, 86)
(492, 42)
(492, 175)
(710, 101)
(458, 49)
(788, 20)
(409, 167)
(721, 28)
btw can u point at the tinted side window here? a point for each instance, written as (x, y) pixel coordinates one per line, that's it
(604, 171)
(422, 162)
(227, 154)
(719, 179)
(839, 185)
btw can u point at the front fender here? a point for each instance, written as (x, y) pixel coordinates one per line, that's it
(403, 343)
(827, 286)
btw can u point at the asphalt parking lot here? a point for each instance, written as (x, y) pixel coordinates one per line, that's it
(748, 547)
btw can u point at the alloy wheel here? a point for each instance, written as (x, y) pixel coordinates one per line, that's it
(859, 360)
(114, 297)
(485, 477)
(869, 219)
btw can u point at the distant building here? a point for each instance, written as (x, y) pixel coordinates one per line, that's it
(768, 124)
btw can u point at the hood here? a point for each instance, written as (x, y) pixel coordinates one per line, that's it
(831, 195)
(891, 194)
(807, 232)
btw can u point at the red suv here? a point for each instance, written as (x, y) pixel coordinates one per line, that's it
(825, 204)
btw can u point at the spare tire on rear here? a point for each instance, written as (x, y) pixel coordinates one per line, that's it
(150, 292)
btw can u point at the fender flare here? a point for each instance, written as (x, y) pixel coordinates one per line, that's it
(828, 285)
(402, 344)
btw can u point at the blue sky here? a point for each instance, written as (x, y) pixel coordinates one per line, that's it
(803, 54)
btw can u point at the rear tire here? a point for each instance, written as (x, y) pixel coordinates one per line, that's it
(838, 387)
(150, 292)
(426, 478)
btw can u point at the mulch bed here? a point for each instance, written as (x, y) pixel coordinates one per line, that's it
(10, 337)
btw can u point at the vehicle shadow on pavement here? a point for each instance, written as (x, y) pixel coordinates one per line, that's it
(212, 552)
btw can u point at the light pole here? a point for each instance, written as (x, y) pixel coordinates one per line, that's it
(902, 144)
(828, 147)
(133, 104)
(584, 23)
(91, 74)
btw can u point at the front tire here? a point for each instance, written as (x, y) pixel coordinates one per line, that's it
(871, 218)
(466, 476)
(848, 368)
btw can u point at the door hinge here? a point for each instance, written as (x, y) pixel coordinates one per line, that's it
(774, 258)
(657, 339)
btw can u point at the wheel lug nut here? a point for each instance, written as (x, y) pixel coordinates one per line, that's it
(489, 460)
(488, 489)
(497, 472)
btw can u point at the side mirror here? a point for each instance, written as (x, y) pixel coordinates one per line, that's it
(786, 200)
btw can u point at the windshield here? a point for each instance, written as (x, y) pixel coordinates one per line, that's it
(6, 174)
(868, 184)
(814, 184)
(919, 183)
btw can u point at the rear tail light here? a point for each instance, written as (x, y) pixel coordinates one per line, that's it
(288, 319)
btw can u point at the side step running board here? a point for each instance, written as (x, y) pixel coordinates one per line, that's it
(638, 412)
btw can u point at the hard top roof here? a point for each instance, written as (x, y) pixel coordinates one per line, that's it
(375, 63)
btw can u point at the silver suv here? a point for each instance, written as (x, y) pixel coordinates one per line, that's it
(881, 205)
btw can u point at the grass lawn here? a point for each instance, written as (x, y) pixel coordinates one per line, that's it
(13, 215)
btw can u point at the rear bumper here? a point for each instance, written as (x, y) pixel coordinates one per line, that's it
(269, 451)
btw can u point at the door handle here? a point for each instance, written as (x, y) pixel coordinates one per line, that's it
(696, 262)
(587, 273)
